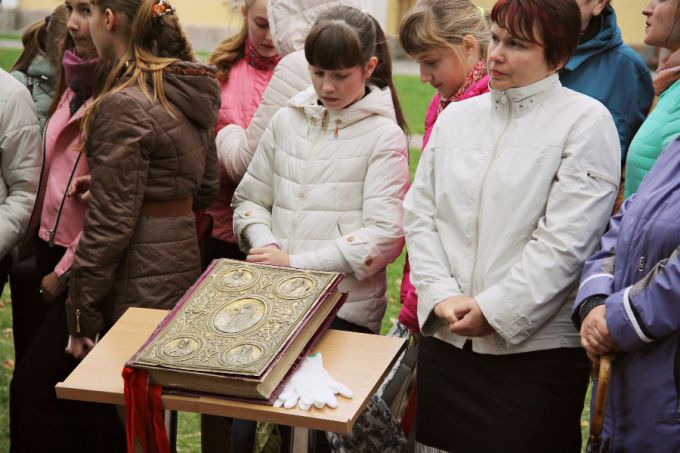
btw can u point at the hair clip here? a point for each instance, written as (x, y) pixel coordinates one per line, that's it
(482, 11)
(161, 8)
(47, 19)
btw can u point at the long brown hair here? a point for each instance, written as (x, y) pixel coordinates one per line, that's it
(231, 50)
(154, 44)
(42, 37)
(344, 37)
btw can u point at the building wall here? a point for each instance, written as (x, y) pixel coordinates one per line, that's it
(215, 19)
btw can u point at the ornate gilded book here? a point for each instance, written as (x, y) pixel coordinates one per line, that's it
(240, 329)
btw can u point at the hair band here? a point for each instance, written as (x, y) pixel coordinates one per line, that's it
(162, 8)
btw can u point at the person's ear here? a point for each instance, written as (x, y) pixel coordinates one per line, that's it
(601, 5)
(370, 67)
(110, 20)
(470, 48)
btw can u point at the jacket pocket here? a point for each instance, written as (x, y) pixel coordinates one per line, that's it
(600, 177)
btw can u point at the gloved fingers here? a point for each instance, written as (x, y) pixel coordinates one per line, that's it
(304, 405)
(291, 402)
(332, 401)
(279, 402)
(321, 396)
(287, 394)
(306, 397)
(342, 389)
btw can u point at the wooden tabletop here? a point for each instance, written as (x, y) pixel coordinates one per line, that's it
(359, 361)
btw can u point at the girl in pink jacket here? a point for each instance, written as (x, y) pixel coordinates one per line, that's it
(448, 39)
(245, 64)
(55, 228)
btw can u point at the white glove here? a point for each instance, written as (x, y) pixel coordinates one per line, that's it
(311, 384)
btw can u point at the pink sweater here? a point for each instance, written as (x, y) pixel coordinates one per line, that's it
(241, 95)
(408, 315)
(62, 138)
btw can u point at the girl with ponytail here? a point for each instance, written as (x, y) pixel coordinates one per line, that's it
(152, 158)
(325, 187)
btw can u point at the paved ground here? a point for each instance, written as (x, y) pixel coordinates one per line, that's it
(10, 44)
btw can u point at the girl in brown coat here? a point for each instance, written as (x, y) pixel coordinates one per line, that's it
(151, 149)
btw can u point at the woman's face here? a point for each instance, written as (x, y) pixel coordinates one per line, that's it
(340, 88)
(258, 28)
(442, 68)
(78, 14)
(661, 29)
(513, 62)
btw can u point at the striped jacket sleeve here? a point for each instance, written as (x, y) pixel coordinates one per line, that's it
(649, 309)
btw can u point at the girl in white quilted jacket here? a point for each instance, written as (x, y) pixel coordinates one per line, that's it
(325, 187)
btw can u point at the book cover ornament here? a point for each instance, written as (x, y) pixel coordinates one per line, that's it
(237, 319)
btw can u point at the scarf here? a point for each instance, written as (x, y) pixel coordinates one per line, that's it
(470, 88)
(669, 72)
(257, 61)
(80, 77)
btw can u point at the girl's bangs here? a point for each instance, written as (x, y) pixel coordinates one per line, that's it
(333, 45)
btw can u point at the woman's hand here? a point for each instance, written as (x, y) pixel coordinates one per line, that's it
(51, 287)
(78, 347)
(80, 187)
(270, 254)
(464, 316)
(595, 336)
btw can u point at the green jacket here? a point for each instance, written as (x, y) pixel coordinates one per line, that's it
(660, 128)
(40, 81)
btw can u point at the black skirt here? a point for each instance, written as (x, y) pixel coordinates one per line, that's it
(479, 403)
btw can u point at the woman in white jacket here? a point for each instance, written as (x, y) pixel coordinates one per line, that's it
(325, 186)
(512, 193)
(19, 166)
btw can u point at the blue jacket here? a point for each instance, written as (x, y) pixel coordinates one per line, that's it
(638, 268)
(606, 69)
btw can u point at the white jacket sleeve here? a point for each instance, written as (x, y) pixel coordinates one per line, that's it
(579, 205)
(20, 148)
(431, 272)
(371, 248)
(236, 146)
(254, 196)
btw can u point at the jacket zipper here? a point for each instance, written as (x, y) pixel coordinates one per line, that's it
(338, 121)
(481, 193)
(319, 136)
(51, 233)
(78, 320)
(643, 257)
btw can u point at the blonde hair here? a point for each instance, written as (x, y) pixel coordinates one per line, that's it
(154, 43)
(231, 50)
(444, 23)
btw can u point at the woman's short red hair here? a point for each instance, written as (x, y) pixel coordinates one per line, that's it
(557, 23)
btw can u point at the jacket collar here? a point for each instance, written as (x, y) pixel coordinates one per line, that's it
(608, 37)
(523, 99)
(377, 102)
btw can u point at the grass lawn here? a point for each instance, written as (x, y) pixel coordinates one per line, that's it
(414, 98)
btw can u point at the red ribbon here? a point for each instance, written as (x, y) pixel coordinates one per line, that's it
(144, 413)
